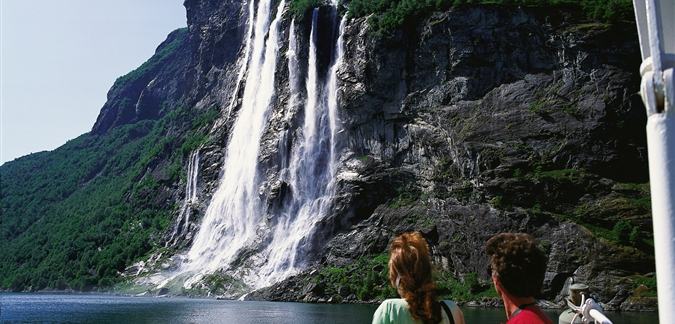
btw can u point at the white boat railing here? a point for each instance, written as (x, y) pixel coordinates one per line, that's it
(581, 307)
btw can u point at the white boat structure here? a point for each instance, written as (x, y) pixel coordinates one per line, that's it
(656, 28)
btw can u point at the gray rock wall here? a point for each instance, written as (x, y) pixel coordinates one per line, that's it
(461, 113)
(456, 128)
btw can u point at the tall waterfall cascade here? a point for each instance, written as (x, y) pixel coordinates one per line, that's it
(237, 227)
(182, 224)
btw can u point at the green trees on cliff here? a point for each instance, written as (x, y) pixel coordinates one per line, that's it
(78, 216)
(393, 14)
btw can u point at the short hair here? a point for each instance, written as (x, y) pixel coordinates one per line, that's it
(518, 262)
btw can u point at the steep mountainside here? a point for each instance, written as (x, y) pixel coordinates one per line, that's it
(74, 218)
(461, 125)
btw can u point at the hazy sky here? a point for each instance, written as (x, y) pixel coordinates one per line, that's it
(59, 58)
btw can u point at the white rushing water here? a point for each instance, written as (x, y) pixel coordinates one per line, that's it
(244, 66)
(235, 220)
(311, 170)
(183, 222)
(235, 210)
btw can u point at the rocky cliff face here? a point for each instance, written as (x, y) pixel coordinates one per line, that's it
(152, 90)
(477, 121)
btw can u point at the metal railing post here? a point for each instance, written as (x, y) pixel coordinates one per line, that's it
(656, 28)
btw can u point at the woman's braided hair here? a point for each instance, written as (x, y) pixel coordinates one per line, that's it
(409, 260)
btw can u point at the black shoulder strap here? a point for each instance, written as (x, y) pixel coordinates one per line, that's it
(448, 311)
(520, 308)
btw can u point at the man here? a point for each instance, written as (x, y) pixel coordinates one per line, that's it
(518, 267)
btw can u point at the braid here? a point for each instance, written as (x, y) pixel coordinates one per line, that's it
(410, 261)
(423, 305)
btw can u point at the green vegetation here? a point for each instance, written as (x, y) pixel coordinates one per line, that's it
(619, 217)
(470, 289)
(368, 279)
(220, 283)
(622, 232)
(535, 107)
(407, 196)
(497, 201)
(626, 234)
(64, 229)
(517, 173)
(389, 15)
(76, 217)
(644, 286)
(159, 61)
(196, 135)
(393, 14)
(571, 174)
(301, 9)
(67, 222)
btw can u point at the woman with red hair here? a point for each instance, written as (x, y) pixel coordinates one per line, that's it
(410, 272)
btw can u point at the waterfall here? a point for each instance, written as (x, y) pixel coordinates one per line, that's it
(182, 225)
(333, 112)
(294, 91)
(235, 210)
(311, 171)
(242, 69)
(237, 227)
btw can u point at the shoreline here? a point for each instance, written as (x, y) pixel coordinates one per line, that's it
(646, 305)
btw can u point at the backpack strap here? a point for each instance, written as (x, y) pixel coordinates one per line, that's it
(448, 311)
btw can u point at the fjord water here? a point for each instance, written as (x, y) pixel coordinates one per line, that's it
(53, 308)
(64, 308)
(49, 308)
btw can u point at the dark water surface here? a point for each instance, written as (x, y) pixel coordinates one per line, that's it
(59, 308)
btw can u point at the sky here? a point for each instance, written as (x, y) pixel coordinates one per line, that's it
(60, 58)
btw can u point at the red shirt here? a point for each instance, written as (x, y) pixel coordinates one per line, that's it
(530, 315)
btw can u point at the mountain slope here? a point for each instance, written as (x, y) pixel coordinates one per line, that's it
(77, 216)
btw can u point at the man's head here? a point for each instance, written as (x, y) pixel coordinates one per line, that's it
(517, 263)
